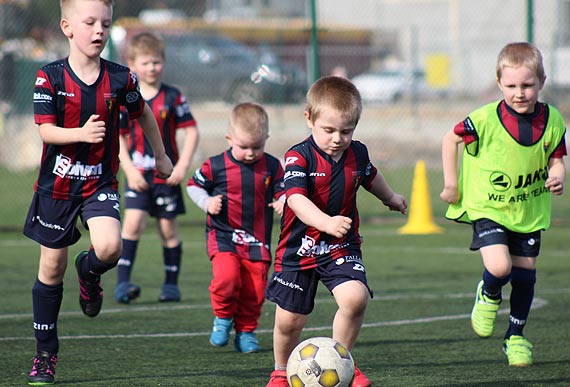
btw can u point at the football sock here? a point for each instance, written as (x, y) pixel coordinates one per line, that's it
(91, 267)
(46, 302)
(172, 257)
(125, 264)
(492, 285)
(522, 294)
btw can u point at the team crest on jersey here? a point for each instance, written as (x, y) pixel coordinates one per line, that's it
(267, 181)
(163, 113)
(111, 105)
(356, 178)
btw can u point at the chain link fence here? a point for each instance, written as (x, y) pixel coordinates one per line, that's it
(421, 66)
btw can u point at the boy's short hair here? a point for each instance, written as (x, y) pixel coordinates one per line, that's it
(145, 43)
(334, 92)
(64, 5)
(251, 118)
(521, 54)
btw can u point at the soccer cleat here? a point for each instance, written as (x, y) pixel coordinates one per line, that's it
(278, 378)
(518, 351)
(169, 293)
(125, 292)
(43, 370)
(90, 292)
(221, 331)
(484, 313)
(246, 342)
(360, 380)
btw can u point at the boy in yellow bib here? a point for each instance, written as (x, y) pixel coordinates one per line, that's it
(512, 163)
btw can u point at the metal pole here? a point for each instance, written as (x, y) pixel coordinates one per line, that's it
(314, 42)
(529, 21)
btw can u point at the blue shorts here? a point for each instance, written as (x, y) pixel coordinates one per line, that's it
(295, 291)
(53, 223)
(161, 201)
(487, 232)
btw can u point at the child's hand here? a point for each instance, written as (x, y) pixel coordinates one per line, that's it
(94, 131)
(277, 206)
(215, 204)
(163, 166)
(178, 174)
(450, 195)
(555, 185)
(136, 181)
(397, 203)
(338, 226)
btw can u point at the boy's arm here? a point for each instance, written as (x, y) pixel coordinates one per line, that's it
(181, 168)
(93, 131)
(308, 213)
(556, 176)
(209, 204)
(134, 177)
(449, 145)
(152, 133)
(380, 188)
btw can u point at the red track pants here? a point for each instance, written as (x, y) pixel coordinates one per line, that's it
(237, 289)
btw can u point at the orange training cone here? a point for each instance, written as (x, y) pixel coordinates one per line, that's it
(420, 219)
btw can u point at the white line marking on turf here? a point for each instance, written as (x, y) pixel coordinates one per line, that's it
(537, 303)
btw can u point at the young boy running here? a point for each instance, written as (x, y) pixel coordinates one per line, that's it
(239, 189)
(146, 194)
(76, 105)
(320, 238)
(511, 165)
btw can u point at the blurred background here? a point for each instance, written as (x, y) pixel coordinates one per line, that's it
(420, 65)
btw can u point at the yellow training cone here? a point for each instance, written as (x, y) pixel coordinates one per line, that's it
(420, 220)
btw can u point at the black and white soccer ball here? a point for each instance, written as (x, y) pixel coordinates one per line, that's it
(320, 362)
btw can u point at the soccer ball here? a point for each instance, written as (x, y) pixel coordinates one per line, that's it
(320, 362)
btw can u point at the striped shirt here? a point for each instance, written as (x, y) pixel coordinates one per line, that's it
(75, 171)
(245, 223)
(332, 187)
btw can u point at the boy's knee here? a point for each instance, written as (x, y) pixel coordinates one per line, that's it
(109, 253)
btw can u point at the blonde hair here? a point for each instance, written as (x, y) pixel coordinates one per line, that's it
(145, 43)
(251, 118)
(65, 5)
(521, 54)
(337, 93)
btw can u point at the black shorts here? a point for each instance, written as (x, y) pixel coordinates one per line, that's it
(160, 200)
(53, 223)
(295, 291)
(487, 232)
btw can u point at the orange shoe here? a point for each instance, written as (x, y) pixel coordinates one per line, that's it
(278, 378)
(360, 380)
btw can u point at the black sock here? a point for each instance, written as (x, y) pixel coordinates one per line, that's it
(46, 302)
(492, 285)
(172, 259)
(522, 294)
(127, 260)
(91, 268)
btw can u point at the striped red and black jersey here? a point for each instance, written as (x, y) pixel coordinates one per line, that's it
(172, 113)
(332, 187)
(75, 171)
(526, 129)
(244, 225)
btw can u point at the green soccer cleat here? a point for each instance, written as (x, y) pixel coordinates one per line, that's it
(518, 351)
(484, 313)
